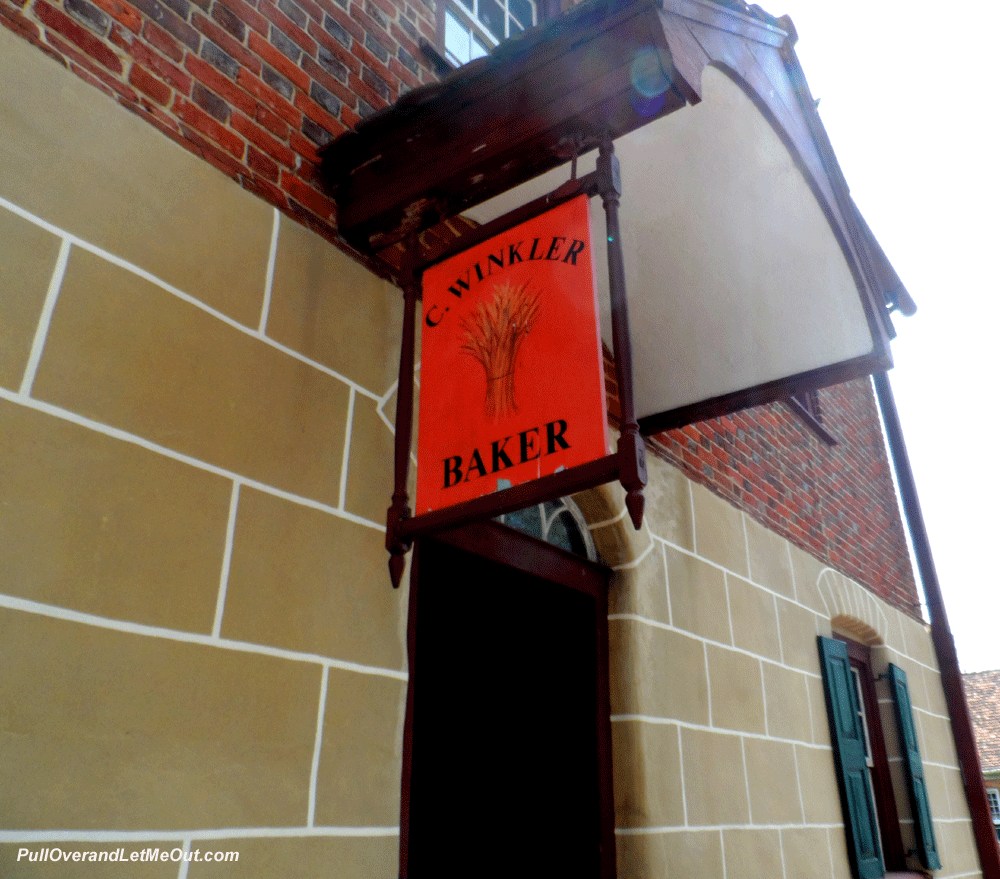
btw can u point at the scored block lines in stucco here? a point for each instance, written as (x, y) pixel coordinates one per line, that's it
(23, 397)
(68, 240)
(847, 597)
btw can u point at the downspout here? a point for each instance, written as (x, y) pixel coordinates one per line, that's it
(944, 643)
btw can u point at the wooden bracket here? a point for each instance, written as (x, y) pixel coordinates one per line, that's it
(399, 511)
(631, 450)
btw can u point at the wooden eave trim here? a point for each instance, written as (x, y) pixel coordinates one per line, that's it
(731, 20)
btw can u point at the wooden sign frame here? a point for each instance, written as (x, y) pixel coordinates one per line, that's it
(627, 464)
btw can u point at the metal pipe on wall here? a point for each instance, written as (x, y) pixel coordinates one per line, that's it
(944, 643)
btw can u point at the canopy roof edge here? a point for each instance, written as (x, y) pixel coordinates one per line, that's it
(558, 90)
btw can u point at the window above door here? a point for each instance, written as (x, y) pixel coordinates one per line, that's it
(473, 27)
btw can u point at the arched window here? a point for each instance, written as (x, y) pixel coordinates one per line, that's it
(558, 522)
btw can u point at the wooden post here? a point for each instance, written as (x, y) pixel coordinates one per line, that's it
(399, 511)
(631, 450)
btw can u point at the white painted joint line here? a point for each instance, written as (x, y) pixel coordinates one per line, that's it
(694, 521)
(638, 560)
(76, 241)
(227, 559)
(183, 871)
(708, 684)
(45, 320)
(746, 778)
(798, 784)
(12, 602)
(345, 460)
(746, 545)
(614, 520)
(223, 833)
(729, 608)
(142, 442)
(387, 396)
(317, 747)
(272, 258)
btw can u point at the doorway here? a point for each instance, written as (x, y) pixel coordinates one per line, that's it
(507, 768)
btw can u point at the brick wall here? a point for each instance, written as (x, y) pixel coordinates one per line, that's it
(256, 87)
(253, 86)
(836, 502)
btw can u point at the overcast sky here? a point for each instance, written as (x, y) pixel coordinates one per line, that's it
(909, 102)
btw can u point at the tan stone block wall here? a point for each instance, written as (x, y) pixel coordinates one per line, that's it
(200, 646)
(728, 667)
(195, 399)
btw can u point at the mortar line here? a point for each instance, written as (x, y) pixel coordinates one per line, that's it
(317, 747)
(272, 258)
(45, 319)
(227, 558)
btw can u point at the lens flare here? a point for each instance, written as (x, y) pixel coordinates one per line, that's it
(649, 68)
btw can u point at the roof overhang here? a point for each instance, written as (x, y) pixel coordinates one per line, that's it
(618, 69)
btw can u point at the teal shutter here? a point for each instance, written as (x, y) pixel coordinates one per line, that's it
(848, 738)
(913, 769)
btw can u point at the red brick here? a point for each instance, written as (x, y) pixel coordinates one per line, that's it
(269, 98)
(343, 19)
(302, 146)
(308, 197)
(403, 74)
(225, 42)
(149, 85)
(155, 115)
(19, 25)
(349, 117)
(160, 40)
(368, 60)
(278, 61)
(248, 15)
(262, 165)
(367, 94)
(390, 10)
(265, 190)
(315, 112)
(121, 12)
(57, 20)
(174, 76)
(211, 153)
(429, 31)
(335, 48)
(287, 26)
(272, 122)
(86, 69)
(224, 87)
(200, 121)
(311, 9)
(365, 20)
(401, 37)
(330, 83)
(261, 139)
(90, 79)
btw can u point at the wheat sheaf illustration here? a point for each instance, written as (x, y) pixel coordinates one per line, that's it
(494, 333)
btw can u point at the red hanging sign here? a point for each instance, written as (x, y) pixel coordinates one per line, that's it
(511, 375)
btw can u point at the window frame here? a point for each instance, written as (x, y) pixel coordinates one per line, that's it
(435, 52)
(890, 835)
(993, 799)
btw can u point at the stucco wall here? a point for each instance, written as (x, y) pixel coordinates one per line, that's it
(199, 644)
(723, 762)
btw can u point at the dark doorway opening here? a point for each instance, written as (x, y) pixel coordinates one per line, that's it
(507, 764)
